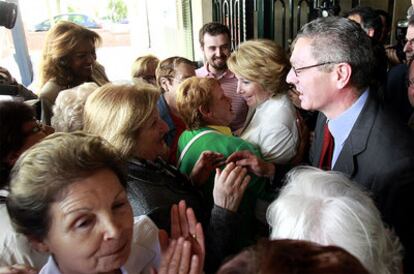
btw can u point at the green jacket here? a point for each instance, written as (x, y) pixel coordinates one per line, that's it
(226, 145)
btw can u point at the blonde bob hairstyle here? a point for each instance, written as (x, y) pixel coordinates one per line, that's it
(60, 43)
(192, 94)
(117, 113)
(261, 61)
(142, 64)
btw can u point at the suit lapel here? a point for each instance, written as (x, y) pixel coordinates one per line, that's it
(357, 140)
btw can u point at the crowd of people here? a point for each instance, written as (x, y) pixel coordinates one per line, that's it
(186, 169)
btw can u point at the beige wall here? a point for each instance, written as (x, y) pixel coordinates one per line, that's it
(202, 13)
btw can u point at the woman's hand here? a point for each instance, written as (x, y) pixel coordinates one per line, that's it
(17, 269)
(178, 258)
(205, 164)
(184, 224)
(229, 186)
(253, 163)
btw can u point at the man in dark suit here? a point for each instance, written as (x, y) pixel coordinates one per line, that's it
(331, 69)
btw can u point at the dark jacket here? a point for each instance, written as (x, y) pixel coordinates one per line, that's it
(153, 188)
(379, 155)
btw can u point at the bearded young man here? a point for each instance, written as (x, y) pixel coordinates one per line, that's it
(215, 44)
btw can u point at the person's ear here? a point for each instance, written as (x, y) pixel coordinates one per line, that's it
(37, 244)
(165, 83)
(343, 75)
(205, 112)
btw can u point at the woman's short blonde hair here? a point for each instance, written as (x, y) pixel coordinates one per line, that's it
(261, 61)
(61, 40)
(193, 93)
(117, 113)
(69, 106)
(142, 64)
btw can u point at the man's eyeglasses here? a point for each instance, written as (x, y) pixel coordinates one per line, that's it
(297, 70)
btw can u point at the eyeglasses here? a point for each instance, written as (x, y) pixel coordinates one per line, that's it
(297, 70)
(35, 129)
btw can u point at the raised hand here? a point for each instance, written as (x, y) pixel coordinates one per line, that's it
(184, 224)
(178, 258)
(229, 186)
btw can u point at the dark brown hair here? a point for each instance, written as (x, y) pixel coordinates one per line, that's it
(12, 117)
(293, 256)
(213, 28)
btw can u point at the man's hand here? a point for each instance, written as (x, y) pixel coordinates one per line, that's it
(229, 186)
(253, 163)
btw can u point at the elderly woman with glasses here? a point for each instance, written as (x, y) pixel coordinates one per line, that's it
(19, 130)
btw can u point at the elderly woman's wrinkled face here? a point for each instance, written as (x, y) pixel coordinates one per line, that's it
(82, 60)
(91, 225)
(150, 139)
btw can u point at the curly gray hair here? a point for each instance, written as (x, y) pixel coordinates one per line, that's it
(68, 108)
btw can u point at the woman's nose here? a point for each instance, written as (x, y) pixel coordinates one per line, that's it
(239, 89)
(111, 229)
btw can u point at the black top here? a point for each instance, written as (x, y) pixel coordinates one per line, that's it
(153, 187)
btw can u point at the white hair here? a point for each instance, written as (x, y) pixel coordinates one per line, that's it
(327, 208)
(69, 105)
